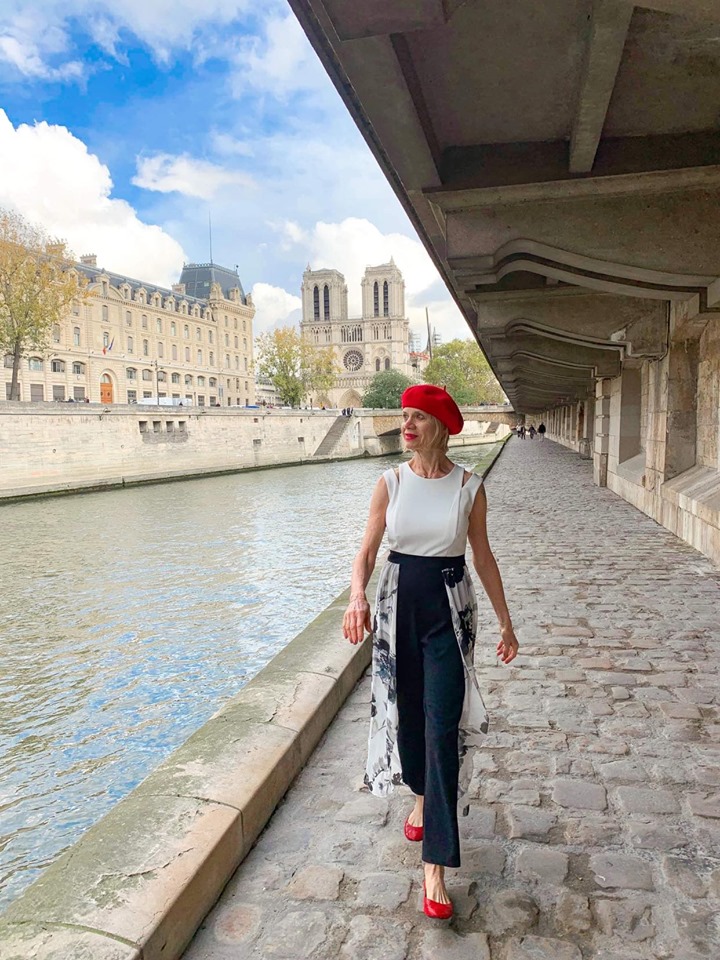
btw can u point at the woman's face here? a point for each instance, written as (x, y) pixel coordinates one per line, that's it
(417, 428)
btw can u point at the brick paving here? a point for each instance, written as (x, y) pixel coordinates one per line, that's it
(595, 829)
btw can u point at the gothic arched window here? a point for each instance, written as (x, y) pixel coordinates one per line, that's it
(316, 303)
(386, 301)
(376, 300)
(326, 302)
(377, 363)
(387, 363)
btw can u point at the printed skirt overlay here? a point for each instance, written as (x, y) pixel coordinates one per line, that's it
(383, 764)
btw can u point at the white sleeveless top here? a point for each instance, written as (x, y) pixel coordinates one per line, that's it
(429, 518)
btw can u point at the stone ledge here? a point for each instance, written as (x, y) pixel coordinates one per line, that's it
(138, 883)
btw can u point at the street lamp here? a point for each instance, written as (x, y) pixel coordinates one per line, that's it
(158, 371)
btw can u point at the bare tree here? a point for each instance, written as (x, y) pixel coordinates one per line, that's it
(37, 286)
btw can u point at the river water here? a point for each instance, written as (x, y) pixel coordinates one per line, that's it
(128, 617)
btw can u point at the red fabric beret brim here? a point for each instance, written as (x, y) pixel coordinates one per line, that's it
(437, 402)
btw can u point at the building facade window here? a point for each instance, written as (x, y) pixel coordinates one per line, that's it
(132, 396)
(57, 366)
(76, 336)
(316, 302)
(187, 354)
(386, 299)
(105, 313)
(144, 322)
(56, 333)
(35, 363)
(212, 359)
(237, 342)
(201, 381)
(131, 373)
(130, 345)
(227, 361)
(210, 336)
(199, 357)
(173, 351)
(147, 375)
(377, 364)
(161, 349)
(186, 332)
(106, 339)
(146, 348)
(198, 333)
(158, 325)
(9, 360)
(188, 380)
(326, 302)
(227, 339)
(78, 368)
(173, 328)
(128, 318)
(176, 378)
(376, 300)
(387, 363)
(58, 391)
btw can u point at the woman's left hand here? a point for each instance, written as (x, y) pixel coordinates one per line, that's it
(507, 648)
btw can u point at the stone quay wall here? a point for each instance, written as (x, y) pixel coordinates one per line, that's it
(47, 449)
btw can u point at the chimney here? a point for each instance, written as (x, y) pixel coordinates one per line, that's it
(89, 259)
(179, 288)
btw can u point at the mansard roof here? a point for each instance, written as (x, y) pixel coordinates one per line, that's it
(197, 289)
(198, 278)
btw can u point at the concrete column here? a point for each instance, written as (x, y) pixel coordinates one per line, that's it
(681, 427)
(602, 431)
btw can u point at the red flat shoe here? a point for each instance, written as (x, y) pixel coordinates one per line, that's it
(435, 910)
(413, 833)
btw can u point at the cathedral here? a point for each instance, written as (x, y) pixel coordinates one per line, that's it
(378, 340)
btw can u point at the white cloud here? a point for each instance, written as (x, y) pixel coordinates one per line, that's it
(49, 177)
(354, 244)
(162, 25)
(280, 62)
(274, 308)
(187, 175)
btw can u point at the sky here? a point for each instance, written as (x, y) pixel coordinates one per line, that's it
(126, 126)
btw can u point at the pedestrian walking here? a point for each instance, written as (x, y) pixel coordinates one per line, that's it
(427, 712)
(522, 432)
(518, 431)
(532, 432)
(541, 431)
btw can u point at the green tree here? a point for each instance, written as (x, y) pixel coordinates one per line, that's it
(295, 366)
(460, 366)
(37, 286)
(386, 389)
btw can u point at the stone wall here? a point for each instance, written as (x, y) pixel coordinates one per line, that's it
(657, 430)
(46, 448)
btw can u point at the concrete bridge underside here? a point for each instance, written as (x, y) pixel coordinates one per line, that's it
(561, 163)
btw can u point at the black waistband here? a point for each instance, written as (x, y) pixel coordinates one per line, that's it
(430, 563)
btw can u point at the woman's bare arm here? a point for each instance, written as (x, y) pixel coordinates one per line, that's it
(357, 616)
(487, 569)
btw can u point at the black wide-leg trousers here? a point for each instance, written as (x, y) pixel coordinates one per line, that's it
(430, 692)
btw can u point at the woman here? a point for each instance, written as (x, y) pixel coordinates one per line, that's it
(427, 711)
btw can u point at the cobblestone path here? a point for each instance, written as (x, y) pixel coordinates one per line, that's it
(595, 829)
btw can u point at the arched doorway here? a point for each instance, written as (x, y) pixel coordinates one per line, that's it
(351, 398)
(106, 388)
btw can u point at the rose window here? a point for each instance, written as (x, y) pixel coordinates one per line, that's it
(353, 360)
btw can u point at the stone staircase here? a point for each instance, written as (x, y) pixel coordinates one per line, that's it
(332, 437)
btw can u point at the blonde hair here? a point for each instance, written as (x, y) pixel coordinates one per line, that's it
(438, 440)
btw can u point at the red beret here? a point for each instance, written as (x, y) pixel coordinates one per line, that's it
(437, 402)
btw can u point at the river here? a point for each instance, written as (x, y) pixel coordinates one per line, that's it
(128, 617)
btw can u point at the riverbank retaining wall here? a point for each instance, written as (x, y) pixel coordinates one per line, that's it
(47, 449)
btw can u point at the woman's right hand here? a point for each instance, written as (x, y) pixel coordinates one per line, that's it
(357, 620)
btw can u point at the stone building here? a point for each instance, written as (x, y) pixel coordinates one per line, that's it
(129, 341)
(377, 340)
